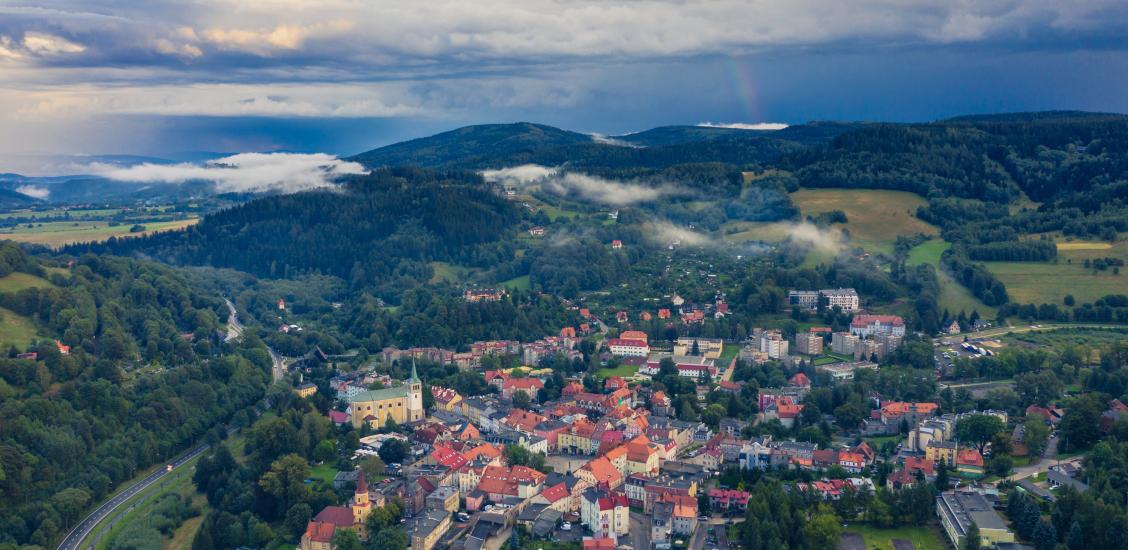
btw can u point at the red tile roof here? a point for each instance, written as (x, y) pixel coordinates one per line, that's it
(336, 515)
(318, 531)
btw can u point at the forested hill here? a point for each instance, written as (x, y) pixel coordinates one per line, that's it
(145, 377)
(379, 229)
(501, 145)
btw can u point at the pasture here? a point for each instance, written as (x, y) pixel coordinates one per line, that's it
(57, 234)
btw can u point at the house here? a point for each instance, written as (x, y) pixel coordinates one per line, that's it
(605, 512)
(616, 244)
(728, 500)
(800, 380)
(1052, 415)
(687, 366)
(339, 418)
(305, 390)
(845, 299)
(529, 386)
(523, 421)
(663, 313)
(942, 452)
(601, 470)
(953, 328)
(853, 463)
(970, 462)
(536, 231)
(445, 398)
(628, 348)
(907, 475)
(959, 510)
(63, 350)
(872, 325)
(484, 295)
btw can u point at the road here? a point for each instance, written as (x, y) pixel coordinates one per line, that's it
(1048, 459)
(87, 525)
(234, 327)
(640, 531)
(278, 371)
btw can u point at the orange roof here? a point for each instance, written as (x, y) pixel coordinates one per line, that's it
(603, 471)
(969, 457)
(634, 335)
(601, 543)
(617, 452)
(485, 449)
(851, 457)
(639, 449)
(524, 420)
(556, 492)
(901, 407)
(786, 410)
(320, 531)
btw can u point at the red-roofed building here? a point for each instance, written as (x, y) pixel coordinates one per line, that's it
(318, 536)
(614, 383)
(568, 332)
(339, 418)
(585, 312)
(872, 325)
(64, 350)
(496, 378)
(800, 380)
(729, 499)
(600, 470)
(599, 543)
(663, 313)
(523, 421)
(572, 388)
(529, 386)
(969, 461)
(1051, 415)
(450, 458)
(851, 462)
(894, 412)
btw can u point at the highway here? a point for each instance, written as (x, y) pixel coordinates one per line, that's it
(234, 327)
(87, 525)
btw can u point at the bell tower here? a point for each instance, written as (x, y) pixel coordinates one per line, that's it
(415, 410)
(361, 506)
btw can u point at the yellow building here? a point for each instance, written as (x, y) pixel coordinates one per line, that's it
(710, 348)
(305, 390)
(941, 452)
(403, 404)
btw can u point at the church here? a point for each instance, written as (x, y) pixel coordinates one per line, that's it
(403, 404)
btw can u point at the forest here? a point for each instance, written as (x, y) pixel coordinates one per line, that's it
(75, 425)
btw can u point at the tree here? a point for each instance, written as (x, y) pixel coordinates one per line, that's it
(1001, 465)
(1080, 425)
(823, 530)
(978, 429)
(942, 481)
(1035, 434)
(971, 539)
(521, 400)
(286, 480)
(393, 451)
(297, 517)
(1075, 539)
(70, 503)
(1045, 536)
(346, 539)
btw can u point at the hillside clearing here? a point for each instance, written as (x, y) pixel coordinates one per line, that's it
(15, 329)
(1048, 283)
(15, 282)
(875, 217)
(953, 296)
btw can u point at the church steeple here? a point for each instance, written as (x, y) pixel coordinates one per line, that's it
(361, 486)
(414, 373)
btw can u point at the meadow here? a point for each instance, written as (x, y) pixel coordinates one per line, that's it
(953, 296)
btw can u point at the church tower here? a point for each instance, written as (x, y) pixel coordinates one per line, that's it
(360, 504)
(415, 410)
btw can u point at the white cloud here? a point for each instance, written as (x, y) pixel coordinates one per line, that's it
(745, 125)
(34, 191)
(264, 41)
(826, 240)
(245, 172)
(582, 187)
(46, 44)
(600, 138)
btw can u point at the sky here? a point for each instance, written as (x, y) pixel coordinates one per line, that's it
(173, 79)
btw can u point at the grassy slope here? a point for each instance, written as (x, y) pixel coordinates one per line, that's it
(953, 296)
(15, 282)
(923, 538)
(15, 329)
(56, 234)
(875, 217)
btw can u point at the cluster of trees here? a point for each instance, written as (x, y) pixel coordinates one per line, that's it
(778, 518)
(1026, 516)
(1013, 251)
(76, 426)
(159, 521)
(1108, 309)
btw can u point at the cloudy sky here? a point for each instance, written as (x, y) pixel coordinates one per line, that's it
(163, 78)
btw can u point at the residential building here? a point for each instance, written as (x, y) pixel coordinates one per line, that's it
(429, 528)
(773, 343)
(970, 462)
(605, 512)
(808, 343)
(629, 348)
(844, 343)
(803, 299)
(844, 298)
(959, 510)
(728, 500)
(687, 366)
(872, 325)
(942, 452)
(845, 371)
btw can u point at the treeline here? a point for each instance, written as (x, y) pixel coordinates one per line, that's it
(1013, 251)
(380, 231)
(76, 425)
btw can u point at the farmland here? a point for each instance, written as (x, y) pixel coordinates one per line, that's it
(15, 282)
(1048, 283)
(57, 234)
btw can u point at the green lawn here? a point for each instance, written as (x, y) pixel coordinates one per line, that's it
(56, 234)
(323, 472)
(928, 252)
(924, 538)
(875, 217)
(621, 370)
(15, 282)
(826, 360)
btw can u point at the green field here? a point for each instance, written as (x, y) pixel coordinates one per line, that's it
(55, 212)
(15, 329)
(517, 283)
(446, 272)
(15, 282)
(56, 234)
(1048, 283)
(323, 472)
(1072, 336)
(923, 538)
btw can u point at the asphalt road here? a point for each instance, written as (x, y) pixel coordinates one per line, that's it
(87, 525)
(640, 531)
(234, 327)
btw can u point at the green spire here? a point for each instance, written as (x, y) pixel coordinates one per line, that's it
(414, 374)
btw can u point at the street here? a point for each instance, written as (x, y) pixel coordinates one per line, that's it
(640, 531)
